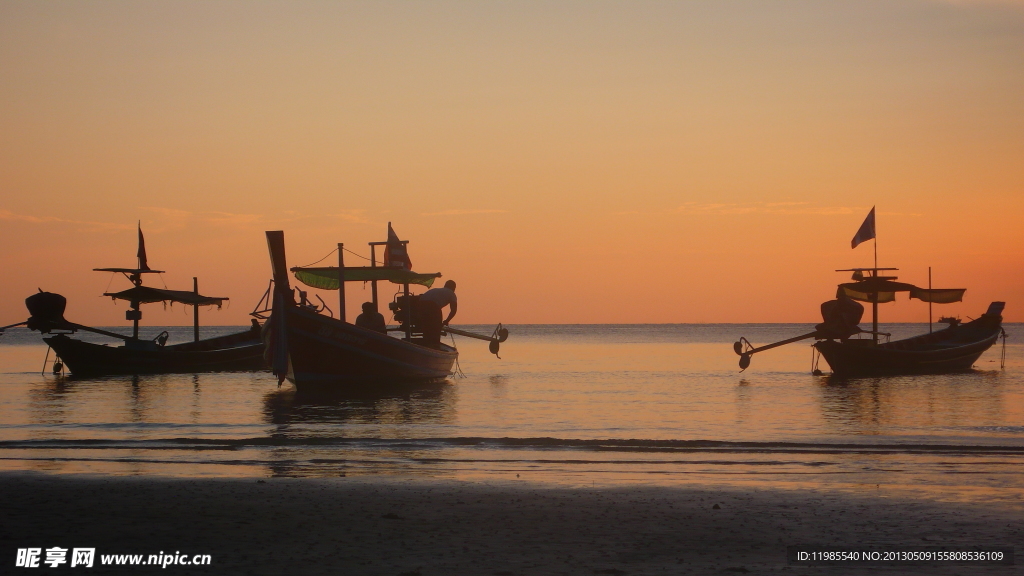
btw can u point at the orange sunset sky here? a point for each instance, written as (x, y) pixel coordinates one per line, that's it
(564, 162)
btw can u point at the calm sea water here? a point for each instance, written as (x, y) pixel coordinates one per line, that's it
(576, 404)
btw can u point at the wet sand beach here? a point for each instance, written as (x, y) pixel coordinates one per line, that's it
(399, 526)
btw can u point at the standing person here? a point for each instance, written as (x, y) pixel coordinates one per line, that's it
(430, 304)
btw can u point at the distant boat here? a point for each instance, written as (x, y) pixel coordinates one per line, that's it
(240, 351)
(318, 352)
(953, 349)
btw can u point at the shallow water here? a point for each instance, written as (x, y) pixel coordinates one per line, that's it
(659, 404)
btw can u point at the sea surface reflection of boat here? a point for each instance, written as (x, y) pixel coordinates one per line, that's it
(429, 402)
(233, 352)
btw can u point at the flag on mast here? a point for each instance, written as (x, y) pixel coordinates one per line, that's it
(143, 265)
(396, 253)
(866, 231)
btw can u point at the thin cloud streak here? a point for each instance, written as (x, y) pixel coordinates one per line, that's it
(175, 218)
(90, 226)
(766, 208)
(463, 212)
(770, 208)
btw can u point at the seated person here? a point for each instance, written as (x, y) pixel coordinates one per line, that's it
(371, 319)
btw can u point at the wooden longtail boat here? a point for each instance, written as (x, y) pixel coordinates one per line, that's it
(318, 352)
(953, 349)
(240, 351)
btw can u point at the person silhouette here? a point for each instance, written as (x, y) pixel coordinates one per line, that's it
(371, 319)
(430, 304)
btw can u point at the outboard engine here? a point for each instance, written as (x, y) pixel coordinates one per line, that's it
(404, 309)
(46, 310)
(841, 318)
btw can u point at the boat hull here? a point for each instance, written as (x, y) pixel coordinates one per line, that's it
(953, 349)
(236, 352)
(327, 354)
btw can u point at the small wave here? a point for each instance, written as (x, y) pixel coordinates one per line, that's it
(995, 429)
(539, 444)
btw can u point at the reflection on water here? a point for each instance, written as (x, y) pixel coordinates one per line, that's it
(937, 403)
(576, 405)
(381, 413)
(399, 405)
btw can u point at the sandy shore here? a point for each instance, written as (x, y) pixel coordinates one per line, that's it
(405, 527)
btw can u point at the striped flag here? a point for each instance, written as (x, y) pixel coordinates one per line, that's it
(867, 230)
(395, 253)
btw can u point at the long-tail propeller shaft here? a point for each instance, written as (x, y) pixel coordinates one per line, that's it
(745, 349)
(499, 335)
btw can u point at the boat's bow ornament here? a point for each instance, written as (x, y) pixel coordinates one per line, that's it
(46, 312)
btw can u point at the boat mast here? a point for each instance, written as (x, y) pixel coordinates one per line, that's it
(341, 281)
(874, 311)
(408, 313)
(874, 297)
(373, 285)
(195, 309)
(405, 289)
(135, 314)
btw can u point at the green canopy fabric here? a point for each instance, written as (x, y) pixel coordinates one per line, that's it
(327, 278)
(146, 295)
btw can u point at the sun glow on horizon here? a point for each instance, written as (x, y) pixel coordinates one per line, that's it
(574, 162)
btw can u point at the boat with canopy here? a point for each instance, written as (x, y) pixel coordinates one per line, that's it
(841, 341)
(314, 350)
(240, 351)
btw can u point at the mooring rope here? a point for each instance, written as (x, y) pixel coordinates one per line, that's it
(1002, 355)
(458, 368)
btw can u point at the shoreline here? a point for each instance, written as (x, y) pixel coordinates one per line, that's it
(394, 525)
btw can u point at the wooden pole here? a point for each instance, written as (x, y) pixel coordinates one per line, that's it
(195, 309)
(341, 281)
(373, 285)
(874, 303)
(136, 313)
(136, 279)
(929, 299)
(874, 317)
(408, 313)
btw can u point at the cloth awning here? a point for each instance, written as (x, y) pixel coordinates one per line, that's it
(146, 295)
(939, 295)
(129, 270)
(886, 291)
(327, 278)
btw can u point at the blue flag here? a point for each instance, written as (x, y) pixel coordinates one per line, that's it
(143, 264)
(867, 230)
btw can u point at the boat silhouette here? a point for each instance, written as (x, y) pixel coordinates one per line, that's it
(239, 351)
(316, 351)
